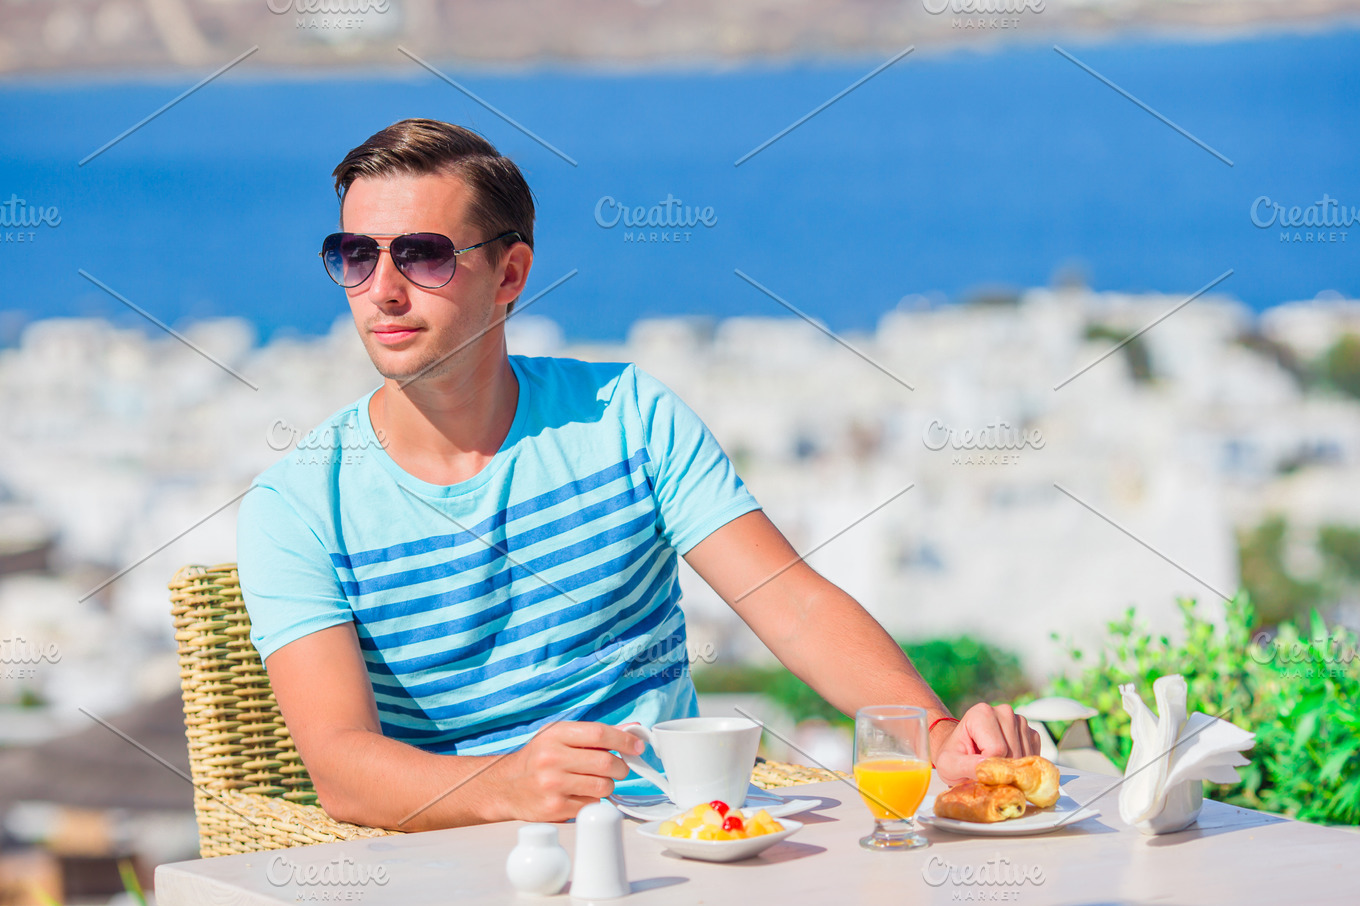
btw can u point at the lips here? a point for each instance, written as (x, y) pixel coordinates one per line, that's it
(391, 334)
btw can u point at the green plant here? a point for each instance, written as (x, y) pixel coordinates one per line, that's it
(964, 671)
(1136, 355)
(961, 670)
(1341, 364)
(1340, 544)
(1299, 695)
(131, 883)
(1277, 593)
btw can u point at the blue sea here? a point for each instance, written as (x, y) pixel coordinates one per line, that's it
(944, 175)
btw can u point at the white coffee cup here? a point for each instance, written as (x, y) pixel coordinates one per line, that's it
(705, 758)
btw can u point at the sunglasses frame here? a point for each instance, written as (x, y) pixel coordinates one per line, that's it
(388, 248)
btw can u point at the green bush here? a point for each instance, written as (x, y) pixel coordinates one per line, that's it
(1340, 544)
(1136, 355)
(961, 670)
(1299, 695)
(964, 671)
(1340, 365)
(1277, 593)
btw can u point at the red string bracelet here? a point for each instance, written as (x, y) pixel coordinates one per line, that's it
(930, 729)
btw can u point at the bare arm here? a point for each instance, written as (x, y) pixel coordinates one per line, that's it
(365, 778)
(830, 642)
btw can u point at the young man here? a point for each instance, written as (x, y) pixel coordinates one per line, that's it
(486, 563)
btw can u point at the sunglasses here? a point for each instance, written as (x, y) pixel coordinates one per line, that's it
(426, 259)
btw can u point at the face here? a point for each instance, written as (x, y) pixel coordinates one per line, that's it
(409, 330)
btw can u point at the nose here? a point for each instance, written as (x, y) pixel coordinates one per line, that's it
(387, 285)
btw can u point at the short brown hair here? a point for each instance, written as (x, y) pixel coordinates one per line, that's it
(501, 198)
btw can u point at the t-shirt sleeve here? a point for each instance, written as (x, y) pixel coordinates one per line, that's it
(695, 484)
(288, 583)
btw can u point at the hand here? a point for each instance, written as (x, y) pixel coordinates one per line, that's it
(566, 766)
(984, 731)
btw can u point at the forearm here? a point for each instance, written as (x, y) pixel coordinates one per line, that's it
(816, 630)
(368, 779)
(830, 642)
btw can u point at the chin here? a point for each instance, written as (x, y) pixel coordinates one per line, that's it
(406, 365)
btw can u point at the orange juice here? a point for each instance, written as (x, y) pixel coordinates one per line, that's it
(896, 783)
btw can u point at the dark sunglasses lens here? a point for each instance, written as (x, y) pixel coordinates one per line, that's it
(350, 259)
(427, 259)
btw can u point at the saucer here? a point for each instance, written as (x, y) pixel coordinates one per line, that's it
(656, 807)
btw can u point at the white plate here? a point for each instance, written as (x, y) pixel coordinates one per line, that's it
(1064, 813)
(657, 807)
(719, 850)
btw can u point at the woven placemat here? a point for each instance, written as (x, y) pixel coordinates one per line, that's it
(769, 775)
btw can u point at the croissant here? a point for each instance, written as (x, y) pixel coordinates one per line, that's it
(972, 801)
(1034, 775)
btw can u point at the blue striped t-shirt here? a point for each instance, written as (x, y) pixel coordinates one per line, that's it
(543, 588)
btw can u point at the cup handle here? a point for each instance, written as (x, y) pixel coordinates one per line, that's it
(637, 764)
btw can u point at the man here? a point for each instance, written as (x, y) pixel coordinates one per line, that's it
(487, 563)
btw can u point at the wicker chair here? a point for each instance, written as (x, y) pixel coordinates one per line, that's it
(251, 790)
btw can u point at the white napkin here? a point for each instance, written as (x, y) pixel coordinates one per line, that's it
(1171, 755)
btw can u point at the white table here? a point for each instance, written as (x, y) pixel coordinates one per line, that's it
(1231, 856)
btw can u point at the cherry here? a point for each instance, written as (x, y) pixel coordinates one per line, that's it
(719, 806)
(733, 823)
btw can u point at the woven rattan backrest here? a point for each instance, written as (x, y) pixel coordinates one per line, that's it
(237, 739)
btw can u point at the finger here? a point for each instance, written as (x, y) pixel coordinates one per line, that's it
(985, 730)
(588, 734)
(1035, 743)
(596, 762)
(576, 803)
(956, 768)
(1009, 722)
(589, 786)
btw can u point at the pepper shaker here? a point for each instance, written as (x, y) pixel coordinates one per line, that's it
(599, 873)
(538, 864)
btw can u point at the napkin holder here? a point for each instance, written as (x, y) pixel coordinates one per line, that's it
(1172, 755)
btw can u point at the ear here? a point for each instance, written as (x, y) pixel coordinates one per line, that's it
(514, 272)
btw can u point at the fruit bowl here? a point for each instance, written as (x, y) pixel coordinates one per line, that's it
(719, 850)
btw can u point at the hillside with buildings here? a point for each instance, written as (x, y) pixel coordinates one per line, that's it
(38, 36)
(982, 501)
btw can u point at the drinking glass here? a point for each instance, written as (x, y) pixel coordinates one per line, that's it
(892, 771)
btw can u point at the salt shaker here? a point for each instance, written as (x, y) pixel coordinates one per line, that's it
(538, 864)
(599, 873)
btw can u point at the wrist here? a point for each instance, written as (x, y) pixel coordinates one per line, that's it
(944, 720)
(940, 728)
(488, 796)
